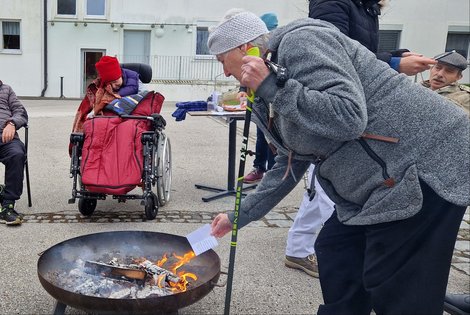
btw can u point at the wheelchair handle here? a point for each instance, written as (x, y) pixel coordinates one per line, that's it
(158, 121)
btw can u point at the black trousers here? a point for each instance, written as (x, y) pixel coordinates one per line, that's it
(399, 267)
(264, 159)
(13, 155)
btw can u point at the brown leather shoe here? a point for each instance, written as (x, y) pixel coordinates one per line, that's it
(308, 264)
(254, 176)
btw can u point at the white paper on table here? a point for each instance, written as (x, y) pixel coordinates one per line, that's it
(201, 239)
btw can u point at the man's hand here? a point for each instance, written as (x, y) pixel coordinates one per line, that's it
(254, 71)
(8, 133)
(221, 225)
(241, 94)
(412, 63)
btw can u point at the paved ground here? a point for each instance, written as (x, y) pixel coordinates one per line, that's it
(262, 284)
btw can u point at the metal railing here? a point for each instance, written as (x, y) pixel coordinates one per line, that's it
(182, 68)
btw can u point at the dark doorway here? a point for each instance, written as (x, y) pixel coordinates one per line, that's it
(90, 57)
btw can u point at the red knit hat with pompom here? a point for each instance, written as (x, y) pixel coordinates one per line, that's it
(108, 69)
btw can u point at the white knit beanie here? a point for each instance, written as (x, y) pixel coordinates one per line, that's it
(235, 31)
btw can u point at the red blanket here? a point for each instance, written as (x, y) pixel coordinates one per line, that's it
(112, 154)
(95, 99)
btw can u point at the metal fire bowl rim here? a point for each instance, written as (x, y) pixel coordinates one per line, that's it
(112, 232)
(169, 302)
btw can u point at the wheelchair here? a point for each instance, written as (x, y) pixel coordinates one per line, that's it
(153, 157)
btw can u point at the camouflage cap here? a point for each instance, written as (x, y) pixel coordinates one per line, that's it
(454, 59)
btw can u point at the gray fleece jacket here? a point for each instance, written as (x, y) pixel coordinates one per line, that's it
(337, 90)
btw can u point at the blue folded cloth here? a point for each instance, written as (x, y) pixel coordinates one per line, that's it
(184, 107)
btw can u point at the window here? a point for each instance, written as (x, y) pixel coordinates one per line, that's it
(67, 7)
(201, 41)
(10, 35)
(389, 40)
(95, 7)
(136, 46)
(460, 42)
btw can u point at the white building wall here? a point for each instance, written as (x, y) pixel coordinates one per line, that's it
(23, 70)
(66, 40)
(424, 26)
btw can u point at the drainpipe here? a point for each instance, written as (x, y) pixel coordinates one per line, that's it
(43, 92)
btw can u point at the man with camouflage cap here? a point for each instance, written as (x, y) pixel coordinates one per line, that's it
(444, 76)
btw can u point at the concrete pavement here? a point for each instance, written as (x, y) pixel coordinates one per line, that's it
(262, 285)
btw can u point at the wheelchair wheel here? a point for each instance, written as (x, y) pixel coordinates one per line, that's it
(163, 169)
(151, 209)
(86, 206)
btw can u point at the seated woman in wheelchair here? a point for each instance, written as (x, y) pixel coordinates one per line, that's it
(113, 84)
(117, 142)
(13, 116)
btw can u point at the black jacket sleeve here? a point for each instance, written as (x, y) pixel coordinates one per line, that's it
(387, 55)
(336, 12)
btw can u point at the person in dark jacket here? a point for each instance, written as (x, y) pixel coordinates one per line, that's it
(358, 19)
(13, 116)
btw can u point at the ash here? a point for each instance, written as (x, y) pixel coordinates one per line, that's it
(78, 281)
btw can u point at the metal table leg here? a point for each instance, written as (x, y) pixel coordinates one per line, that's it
(232, 148)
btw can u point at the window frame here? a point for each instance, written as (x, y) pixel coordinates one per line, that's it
(10, 50)
(95, 17)
(201, 56)
(457, 32)
(66, 16)
(397, 32)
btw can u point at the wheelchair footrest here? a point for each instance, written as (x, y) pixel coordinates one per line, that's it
(89, 195)
(127, 197)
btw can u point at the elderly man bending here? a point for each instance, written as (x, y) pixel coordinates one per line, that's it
(392, 156)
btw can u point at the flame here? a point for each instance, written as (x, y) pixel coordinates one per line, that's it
(180, 261)
(182, 285)
(162, 261)
(186, 258)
